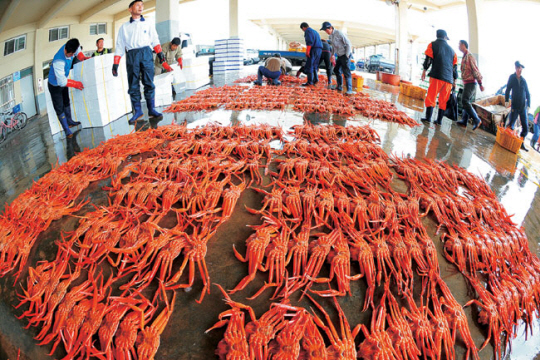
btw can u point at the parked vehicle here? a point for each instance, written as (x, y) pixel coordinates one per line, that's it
(379, 63)
(360, 64)
(295, 57)
(251, 57)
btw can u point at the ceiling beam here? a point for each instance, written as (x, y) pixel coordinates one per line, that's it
(97, 9)
(7, 14)
(52, 13)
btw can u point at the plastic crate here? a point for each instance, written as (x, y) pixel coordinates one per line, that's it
(508, 140)
(412, 91)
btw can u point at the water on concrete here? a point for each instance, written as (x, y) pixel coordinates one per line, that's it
(29, 154)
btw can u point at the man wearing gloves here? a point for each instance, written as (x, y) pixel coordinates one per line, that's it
(343, 48)
(443, 75)
(59, 82)
(313, 52)
(136, 39)
(172, 52)
(521, 101)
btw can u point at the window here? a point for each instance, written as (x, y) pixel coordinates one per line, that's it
(7, 95)
(97, 29)
(58, 33)
(14, 45)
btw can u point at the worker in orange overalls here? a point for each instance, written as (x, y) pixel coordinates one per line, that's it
(443, 75)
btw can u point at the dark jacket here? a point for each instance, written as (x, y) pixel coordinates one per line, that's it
(520, 92)
(444, 61)
(313, 38)
(326, 47)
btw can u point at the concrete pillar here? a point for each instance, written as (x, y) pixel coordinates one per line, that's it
(233, 19)
(402, 37)
(474, 8)
(167, 19)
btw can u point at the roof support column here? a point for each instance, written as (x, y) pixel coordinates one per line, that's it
(474, 8)
(233, 19)
(167, 19)
(402, 37)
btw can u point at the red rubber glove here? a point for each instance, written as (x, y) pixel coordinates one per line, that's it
(167, 67)
(159, 53)
(180, 63)
(115, 65)
(81, 56)
(308, 51)
(75, 84)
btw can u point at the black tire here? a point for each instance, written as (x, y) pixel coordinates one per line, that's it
(3, 134)
(21, 120)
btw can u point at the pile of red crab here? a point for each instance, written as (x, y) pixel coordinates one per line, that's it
(312, 99)
(331, 205)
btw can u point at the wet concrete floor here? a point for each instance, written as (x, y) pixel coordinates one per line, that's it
(31, 153)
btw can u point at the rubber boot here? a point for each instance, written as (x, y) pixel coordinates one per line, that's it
(339, 83)
(477, 123)
(137, 112)
(464, 119)
(152, 113)
(429, 113)
(65, 126)
(70, 122)
(523, 145)
(349, 86)
(440, 115)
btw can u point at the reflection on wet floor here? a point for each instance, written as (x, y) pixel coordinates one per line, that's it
(29, 154)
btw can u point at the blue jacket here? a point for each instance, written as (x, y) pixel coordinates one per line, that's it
(520, 92)
(313, 38)
(60, 56)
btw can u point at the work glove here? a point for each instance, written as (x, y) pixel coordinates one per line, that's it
(75, 84)
(160, 54)
(180, 63)
(115, 65)
(308, 51)
(81, 56)
(167, 67)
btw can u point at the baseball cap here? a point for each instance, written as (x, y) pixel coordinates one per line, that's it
(518, 64)
(175, 41)
(441, 34)
(326, 25)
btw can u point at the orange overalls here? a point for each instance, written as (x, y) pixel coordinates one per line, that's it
(438, 87)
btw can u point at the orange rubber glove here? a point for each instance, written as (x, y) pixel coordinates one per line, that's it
(308, 50)
(75, 84)
(180, 63)
(159, 53)
(81, 56)
(167, 67)
(115, 65)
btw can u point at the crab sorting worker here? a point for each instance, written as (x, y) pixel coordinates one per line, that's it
(272, 69)
(58, 82)
(443, 75)
(136, 39)
(172, 52)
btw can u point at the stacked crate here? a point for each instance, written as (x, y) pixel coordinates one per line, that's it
(229, 55)
(195, 72)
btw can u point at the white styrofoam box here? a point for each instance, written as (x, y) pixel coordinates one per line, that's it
(163, 92)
